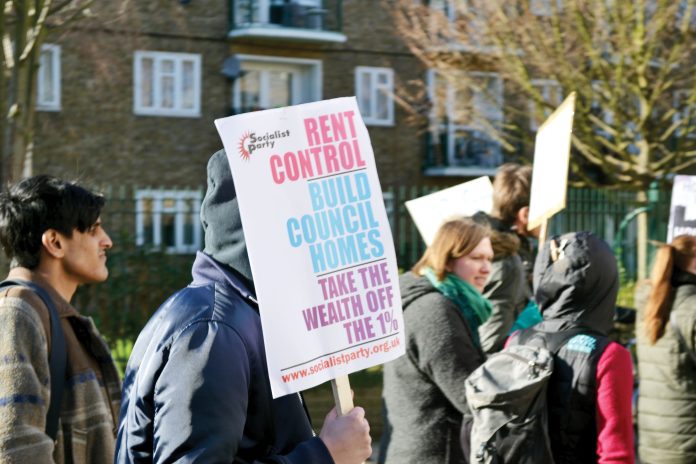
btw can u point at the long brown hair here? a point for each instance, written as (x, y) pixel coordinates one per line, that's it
(678, 255)
(454, 239)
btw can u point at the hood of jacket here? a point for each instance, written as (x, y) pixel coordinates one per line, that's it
(413, 287)
(577, 287)
(222, 223)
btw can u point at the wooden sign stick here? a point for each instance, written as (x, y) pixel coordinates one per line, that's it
(343, 397)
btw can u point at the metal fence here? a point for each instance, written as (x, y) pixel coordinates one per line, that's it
(608, 213)
(143, 276)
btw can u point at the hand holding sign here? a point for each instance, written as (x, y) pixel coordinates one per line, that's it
(347, 436)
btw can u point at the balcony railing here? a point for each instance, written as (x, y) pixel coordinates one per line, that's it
(316, 20)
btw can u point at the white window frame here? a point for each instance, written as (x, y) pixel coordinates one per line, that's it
(313, 72)
(157, 197)
(369, 114)
(544, 86)
(42, 102)
(156, 109)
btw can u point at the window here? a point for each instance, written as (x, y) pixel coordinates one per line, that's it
(552, 94)
(467, 20)
(167, 84)
(296, 13)
(447, 7)
(48, 81)
(270, 82)
(374, 88)
(168, 219)
(465, 116)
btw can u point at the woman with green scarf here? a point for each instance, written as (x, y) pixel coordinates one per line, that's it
(423, 392)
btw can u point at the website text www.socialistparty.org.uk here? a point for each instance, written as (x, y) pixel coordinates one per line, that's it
(343, 358)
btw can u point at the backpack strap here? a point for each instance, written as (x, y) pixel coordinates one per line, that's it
(552, 341)
(680, 336)
(57, 358)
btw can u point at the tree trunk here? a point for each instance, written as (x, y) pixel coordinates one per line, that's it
(642, 238)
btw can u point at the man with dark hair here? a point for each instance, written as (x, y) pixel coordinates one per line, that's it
(509, 287)
(51, 231)
(197, 387)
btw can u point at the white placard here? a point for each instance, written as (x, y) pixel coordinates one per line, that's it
(430, 211)
(682, 212)
(319, 241)
(551, 158)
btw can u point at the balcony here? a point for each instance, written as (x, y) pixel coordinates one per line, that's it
(295, 20)
(462, 152)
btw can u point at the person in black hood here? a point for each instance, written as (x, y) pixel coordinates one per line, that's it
(196, 387)
(576, 283)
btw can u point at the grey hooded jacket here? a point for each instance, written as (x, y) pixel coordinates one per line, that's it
(508, 287)
(424, 390)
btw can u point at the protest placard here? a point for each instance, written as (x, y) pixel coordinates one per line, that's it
(430, 211)
(318, 238)
(550, 171)
(682, 212)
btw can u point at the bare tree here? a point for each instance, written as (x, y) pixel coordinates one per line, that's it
(23, 28)
(630, 62)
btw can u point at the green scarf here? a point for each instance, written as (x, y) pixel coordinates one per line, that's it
(473, 306)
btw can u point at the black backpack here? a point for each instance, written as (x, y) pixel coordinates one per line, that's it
(507, 397)
(57, 358)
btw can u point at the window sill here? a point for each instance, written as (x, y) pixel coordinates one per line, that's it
(167, 114)
(459, 171)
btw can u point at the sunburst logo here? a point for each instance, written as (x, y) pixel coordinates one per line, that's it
(243, 152)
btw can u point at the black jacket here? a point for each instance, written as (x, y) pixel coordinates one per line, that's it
(576, 294)
(196, 387)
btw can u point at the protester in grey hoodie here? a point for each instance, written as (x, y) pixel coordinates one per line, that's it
(424, 390)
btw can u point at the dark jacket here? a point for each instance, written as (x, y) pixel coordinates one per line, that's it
(91, 392)
(424, 390)
(667, 401)
(576, 294)
(508, 287)
(197, 389)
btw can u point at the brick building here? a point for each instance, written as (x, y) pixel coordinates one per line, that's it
(128, 97)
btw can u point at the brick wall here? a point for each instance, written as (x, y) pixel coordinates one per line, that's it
(97, 138)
